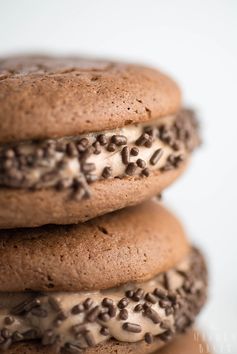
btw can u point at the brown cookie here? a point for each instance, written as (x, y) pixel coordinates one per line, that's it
(79, 138)
(190, 343)
(132, 244)
(46, 97)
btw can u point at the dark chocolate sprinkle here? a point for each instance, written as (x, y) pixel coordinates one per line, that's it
(111, 147)
(123, 314)
(107, 172)
(156, 156)
(153, 315)
(93, 314)
(132, 327)
(138, 294)
(88, 303)
(105, 317)
(25, 306)
(123, 303)
(119, 140)
(146, 172)
(148, 338)
(138, 308)
(129, 293)
(102, 139)
(151, 298)
(160, 293)
(141, 163)
(107, 302)
(125, 155)
(131, 169)
(134, 151)
(77, 309)
(144, 138)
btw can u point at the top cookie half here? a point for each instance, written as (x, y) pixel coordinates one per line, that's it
(47, 97)
(80, 138)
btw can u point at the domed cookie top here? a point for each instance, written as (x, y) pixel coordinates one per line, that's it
(47, 97)
(133, 244)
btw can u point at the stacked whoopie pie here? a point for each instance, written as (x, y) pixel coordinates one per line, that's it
(82, 143)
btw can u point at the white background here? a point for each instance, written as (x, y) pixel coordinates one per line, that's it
(196, 42)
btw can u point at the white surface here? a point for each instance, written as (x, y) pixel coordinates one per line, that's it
(196, 42)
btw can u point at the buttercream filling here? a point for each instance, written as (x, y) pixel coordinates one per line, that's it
(162, 306)
(75, 162)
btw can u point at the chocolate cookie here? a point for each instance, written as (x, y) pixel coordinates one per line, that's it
(122, 283)
(132, 244)
(191, 342)
(80, 138)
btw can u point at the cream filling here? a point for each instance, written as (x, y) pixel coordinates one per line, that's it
(67, 300)
(71, 166)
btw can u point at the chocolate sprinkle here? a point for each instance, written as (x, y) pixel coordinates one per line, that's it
(156, 156)
(123, 303)
(131, 169)
(134, 151)
(148, 338)
(123, 314)
(119, 140)
(107, 172)
(77, 309)
(93, 314)
(132, 327)
(153, 315)
(125, 155)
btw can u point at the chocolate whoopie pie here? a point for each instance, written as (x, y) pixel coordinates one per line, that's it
(125, 282)
(80, 138)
